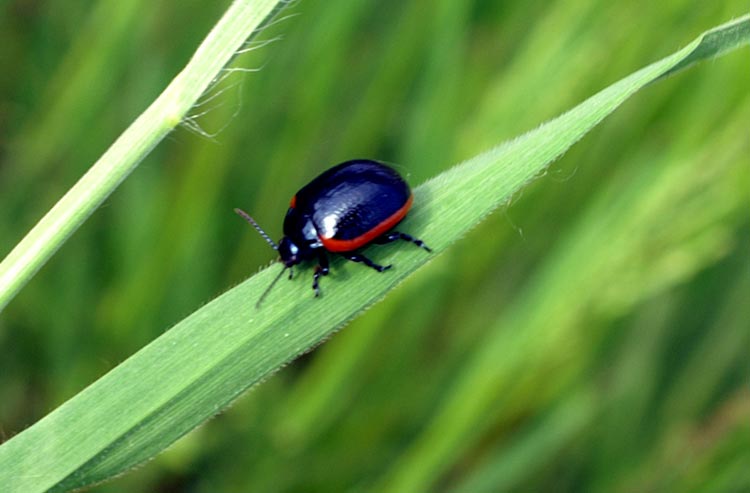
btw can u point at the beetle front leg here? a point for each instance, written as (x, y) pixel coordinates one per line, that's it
(320, 270)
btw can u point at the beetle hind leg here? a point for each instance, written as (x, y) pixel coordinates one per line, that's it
(358, 257)
(395, 235)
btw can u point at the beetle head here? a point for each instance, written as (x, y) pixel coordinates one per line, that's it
(289, 252)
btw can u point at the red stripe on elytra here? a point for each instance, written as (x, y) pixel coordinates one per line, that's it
(336, 245)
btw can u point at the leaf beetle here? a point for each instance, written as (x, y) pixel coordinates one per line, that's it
(347, 207)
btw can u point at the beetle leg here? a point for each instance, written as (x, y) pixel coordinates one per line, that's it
(395, 235)
(320, 270)
(357, 257)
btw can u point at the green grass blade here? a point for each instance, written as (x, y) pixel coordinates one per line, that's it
(164, 114)
(511, 374)
(201, 365)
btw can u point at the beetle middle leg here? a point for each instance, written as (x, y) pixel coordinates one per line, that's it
(395, 235)
(320, 270)
(358, 257)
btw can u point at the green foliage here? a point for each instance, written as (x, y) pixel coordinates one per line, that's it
(602, 347)
(241, 21)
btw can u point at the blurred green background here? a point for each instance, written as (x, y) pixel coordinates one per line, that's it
(592, 335)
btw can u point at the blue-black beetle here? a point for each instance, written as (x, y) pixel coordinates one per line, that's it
(345, 208)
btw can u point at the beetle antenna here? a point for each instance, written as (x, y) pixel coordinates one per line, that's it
(268, 289)
(255, 225)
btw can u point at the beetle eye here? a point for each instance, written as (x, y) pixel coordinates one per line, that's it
(289, 252)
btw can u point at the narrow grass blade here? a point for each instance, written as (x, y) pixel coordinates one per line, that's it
(239, 22)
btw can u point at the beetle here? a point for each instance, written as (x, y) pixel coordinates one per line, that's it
(347, 207)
